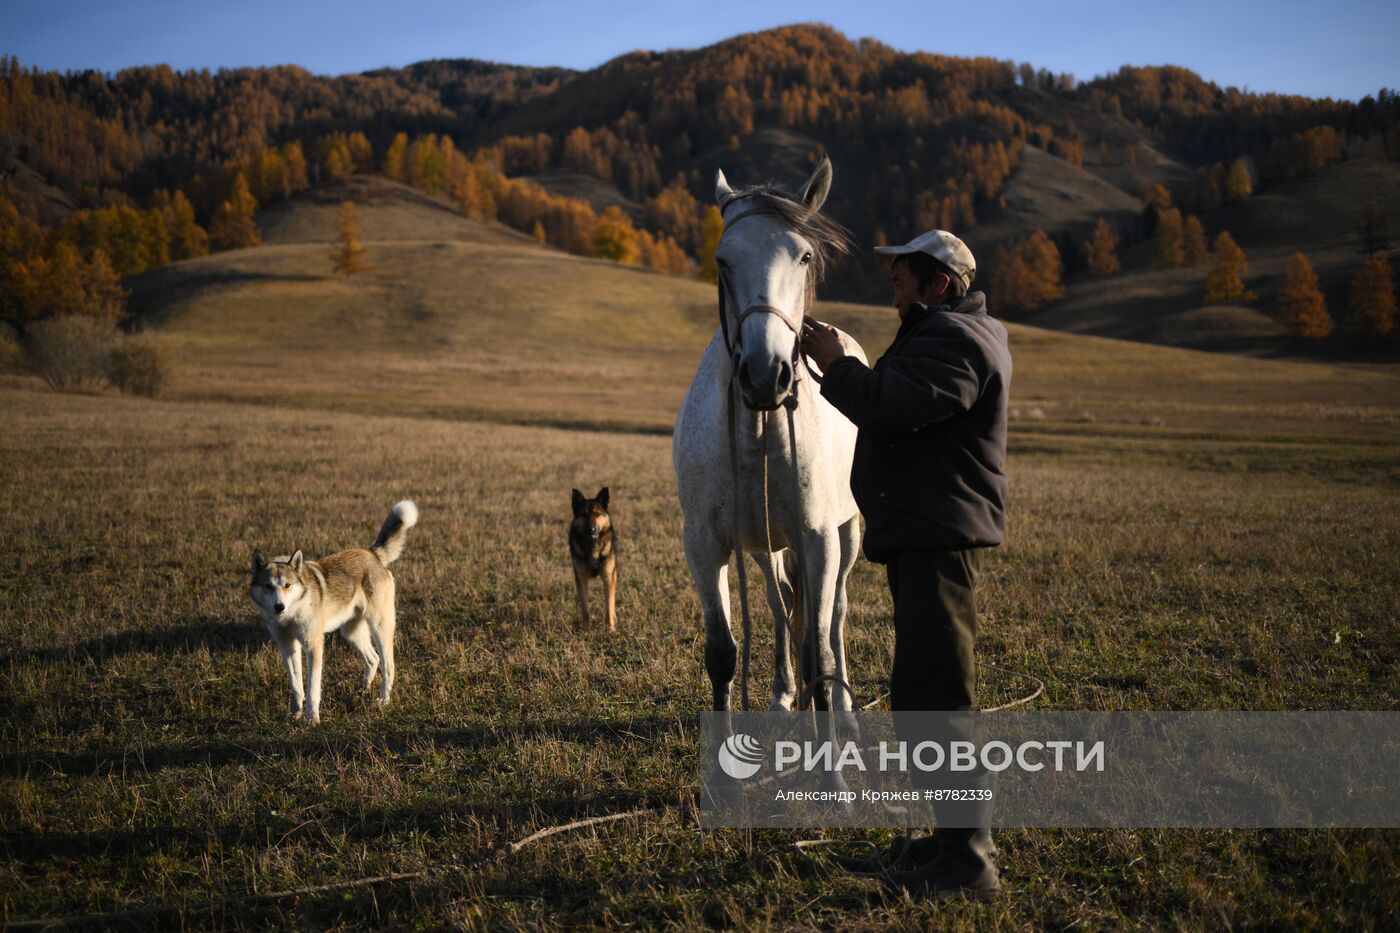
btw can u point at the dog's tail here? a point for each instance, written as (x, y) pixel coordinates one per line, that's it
(389, 545)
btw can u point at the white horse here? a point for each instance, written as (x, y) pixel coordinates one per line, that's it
(769, 259)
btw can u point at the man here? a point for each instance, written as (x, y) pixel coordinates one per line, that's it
(928, 477)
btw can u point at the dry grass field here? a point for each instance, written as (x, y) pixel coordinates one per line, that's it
(1187, 531)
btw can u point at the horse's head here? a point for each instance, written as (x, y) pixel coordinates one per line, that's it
(769, 266)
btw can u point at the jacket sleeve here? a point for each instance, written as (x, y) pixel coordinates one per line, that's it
(937, 377)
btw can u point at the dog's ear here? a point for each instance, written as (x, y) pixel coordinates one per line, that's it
(602, 498)
(259, 562)
(297, 560)
(579, 500)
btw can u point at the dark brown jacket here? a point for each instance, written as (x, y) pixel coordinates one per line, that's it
(931, 448)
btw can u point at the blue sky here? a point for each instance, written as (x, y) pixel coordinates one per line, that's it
(1343, 49)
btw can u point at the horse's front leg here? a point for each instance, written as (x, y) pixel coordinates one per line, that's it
(824, 570)
(778, 569)
(849, 535)
(709, 568)
(820, 575)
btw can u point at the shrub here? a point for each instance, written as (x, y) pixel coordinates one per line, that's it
(70, 352)
(11, 353)
(141, 366)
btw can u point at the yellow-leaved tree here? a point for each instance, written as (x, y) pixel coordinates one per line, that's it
(615, 237)
(187, 238)
(1027, 276)
(361, 152)
(1301, 305)
(1101, 250)
(1171, 249)
(233, 226)
(1193, 241)
(1238, 183)
(1043, 258)
(1225, 277)
(1157, 198)
(711, 229)
(63, 283)
(1373, 297)
(395, 158)
(349, 253)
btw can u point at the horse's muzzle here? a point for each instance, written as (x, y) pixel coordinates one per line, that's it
(764, 388)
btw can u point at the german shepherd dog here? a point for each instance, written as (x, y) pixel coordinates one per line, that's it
(351, 592)
(593, 546)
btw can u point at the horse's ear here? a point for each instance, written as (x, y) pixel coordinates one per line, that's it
(579, 500)
(723, 193)
(818, 186)
(602, 498)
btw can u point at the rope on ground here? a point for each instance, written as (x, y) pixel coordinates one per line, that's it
(105, 920)
(871, 852)
(1019, 701)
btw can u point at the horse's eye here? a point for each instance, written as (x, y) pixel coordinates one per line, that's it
(806, 258)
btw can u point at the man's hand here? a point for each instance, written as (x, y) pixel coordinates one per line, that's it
(820, 342)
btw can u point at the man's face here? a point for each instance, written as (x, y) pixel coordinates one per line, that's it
(906, 288)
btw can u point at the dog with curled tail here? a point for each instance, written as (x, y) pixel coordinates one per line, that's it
(350, 592)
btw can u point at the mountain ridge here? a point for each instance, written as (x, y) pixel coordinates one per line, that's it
(990, 149)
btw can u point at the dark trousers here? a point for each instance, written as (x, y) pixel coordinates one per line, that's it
(935, 628)
(935, 633)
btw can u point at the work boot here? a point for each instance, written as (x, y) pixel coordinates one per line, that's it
(965, 867)
(904, 852)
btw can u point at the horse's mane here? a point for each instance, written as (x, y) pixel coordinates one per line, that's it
(828, 238)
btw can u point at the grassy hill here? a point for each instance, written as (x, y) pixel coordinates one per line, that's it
(918, 138)
(455, 319)
(1314, 211)
(1050, 194)
(1187, 531)
(463, 320)
(52, 204)
(600, 195)
(390, 211)
(1320, 216)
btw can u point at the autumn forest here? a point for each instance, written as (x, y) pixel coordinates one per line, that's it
(107, 176)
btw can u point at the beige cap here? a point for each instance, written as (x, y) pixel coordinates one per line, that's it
(941, 245)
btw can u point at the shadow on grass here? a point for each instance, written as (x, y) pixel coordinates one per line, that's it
(211, 635)
(351, 823)
(313, 742)
(154, 293)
